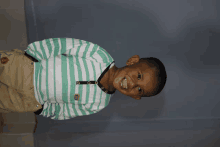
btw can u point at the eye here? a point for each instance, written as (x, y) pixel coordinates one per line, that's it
(139, 77)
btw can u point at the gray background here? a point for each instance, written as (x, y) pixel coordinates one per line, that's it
(183, 34)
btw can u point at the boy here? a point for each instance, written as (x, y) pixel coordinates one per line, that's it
(73, 77)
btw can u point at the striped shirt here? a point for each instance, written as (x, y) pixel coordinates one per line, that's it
(67, 77)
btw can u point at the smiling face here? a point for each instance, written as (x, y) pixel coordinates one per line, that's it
(140, 78)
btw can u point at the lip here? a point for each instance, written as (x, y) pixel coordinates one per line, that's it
(120, 83)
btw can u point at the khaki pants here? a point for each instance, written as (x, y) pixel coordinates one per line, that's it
(16, 83)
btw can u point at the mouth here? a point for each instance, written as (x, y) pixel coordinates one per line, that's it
(124, 84)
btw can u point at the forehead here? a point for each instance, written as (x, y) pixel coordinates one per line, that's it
(145, 69)
(148, 74)
(143, 66)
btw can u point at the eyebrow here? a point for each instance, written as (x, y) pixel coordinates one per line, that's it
(143, 92)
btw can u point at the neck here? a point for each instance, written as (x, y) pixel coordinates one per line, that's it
(112, 72)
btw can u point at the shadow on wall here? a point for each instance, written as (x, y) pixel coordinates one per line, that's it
(127, 108)
(196, 48)
(200, 47)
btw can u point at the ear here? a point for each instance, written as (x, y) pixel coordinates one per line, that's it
(133, 60)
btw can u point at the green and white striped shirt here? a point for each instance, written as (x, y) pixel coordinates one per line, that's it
(64, 68)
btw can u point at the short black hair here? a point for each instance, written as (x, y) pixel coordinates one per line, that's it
(160, 74)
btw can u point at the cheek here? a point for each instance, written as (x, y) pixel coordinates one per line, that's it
(120, 75)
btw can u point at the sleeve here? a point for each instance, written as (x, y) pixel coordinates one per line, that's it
(64, 111)
(94, 107)
(52, 47)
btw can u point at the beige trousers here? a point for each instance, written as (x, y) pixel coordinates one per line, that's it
(16, 83)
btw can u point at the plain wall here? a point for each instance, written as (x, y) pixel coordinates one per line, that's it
(183, 34)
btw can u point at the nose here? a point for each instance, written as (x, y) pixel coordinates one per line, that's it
(130, 82)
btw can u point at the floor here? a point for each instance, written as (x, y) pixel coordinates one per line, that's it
(171, 138)
(17, 128)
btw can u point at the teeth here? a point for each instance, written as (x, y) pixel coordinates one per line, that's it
(121, 84)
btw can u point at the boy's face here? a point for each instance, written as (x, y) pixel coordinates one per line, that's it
(140, 79)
